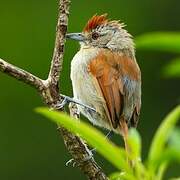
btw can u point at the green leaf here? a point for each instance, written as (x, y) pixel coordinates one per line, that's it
(159, 41)
(121, 176)
(171, 152)
(115, 176)
(161, 171)
(134, 141)
(162, 135)
(95, 138)
(174, 139)
(172, 69)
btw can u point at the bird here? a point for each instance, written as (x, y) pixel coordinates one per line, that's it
(105, 75)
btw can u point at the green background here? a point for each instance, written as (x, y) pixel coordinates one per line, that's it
(30, 147)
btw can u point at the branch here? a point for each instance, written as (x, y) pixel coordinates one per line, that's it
(61, 29)
(20, 74)
(49, 90)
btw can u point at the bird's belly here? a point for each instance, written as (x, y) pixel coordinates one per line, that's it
(84, 90)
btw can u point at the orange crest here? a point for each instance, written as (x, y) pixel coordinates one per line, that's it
(95, 21)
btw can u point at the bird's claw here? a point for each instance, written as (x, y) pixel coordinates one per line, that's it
(71, 161)
(65, 101)
(87, 158)
(61, 105)
(68, 99)
(109, 135)
(75, 163)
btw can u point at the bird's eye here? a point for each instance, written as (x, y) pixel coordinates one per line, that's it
(95, 35)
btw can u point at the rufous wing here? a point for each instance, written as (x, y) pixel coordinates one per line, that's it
(108, 70)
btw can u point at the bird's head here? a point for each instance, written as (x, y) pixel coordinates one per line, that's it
(103, 33)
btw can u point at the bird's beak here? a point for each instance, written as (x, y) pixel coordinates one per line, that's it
(75, 36)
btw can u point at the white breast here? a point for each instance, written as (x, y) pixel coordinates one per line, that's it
(84, 88)
(82, 82)
(81, 79)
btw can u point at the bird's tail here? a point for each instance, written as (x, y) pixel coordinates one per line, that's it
(124, 133)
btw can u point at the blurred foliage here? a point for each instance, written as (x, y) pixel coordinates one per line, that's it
(159, 41)
(164, 146)
(172, 69)
(166, 42)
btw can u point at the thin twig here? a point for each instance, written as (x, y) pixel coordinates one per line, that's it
(49, 90)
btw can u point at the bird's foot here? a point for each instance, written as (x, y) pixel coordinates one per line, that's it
(76, 163)
(71, 162)
(109, 135)
(67, 100)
